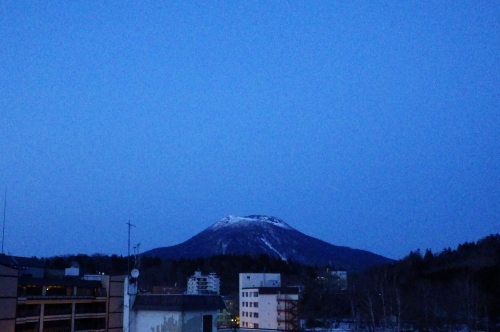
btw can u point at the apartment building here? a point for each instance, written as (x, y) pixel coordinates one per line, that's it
(264, 304)
(35, 301)
(340, 279)
(203, 284)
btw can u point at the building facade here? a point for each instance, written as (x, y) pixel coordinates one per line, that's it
(264, 304)
(340, 279)
(228, 318)
(203, 284)
(36, 303)
(169, 312)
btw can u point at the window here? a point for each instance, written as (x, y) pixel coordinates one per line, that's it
(251, 304)
(255, 294)
(251, 314)
(256, 314)
(256, 304)
(242, 294)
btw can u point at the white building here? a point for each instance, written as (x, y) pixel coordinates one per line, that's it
(340, 279)
(203, 284)
(172, 313)
(264, 304)
(248, 280)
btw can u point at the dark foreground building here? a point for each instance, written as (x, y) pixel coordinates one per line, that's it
(33, 299)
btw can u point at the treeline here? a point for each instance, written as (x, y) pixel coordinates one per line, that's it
(155, 272)
(449, 290)
(98, 263)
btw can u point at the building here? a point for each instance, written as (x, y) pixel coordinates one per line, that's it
(32, 301)
(259, 280)
(169, 312)
(264, 304)
(166, 290)
(228, 318)
(340, 279)
(203, 284)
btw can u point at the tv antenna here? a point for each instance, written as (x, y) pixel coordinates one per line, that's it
(3, 228)
(137, 258)
(128, 252)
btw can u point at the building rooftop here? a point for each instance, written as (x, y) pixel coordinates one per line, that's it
(276, 290)
(178, 302)
(19, 262)
(70, 282)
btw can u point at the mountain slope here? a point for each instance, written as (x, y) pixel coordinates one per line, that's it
(256, 234)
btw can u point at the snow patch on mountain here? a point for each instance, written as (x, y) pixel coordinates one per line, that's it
(233, 220)
(272, 248)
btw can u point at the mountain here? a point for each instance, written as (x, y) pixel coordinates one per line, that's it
(258, 234)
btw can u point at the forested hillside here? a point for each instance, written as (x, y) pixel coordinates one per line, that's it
(454, 288)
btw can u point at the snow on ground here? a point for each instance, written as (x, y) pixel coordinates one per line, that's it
(232, 220)
(272, 248)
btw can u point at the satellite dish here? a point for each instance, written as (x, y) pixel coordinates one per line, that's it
(134, 273)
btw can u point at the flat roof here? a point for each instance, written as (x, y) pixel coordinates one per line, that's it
(276, 290)
(59, 282)
(178, 302)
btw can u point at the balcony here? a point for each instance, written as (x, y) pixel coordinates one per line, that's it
(288, 312)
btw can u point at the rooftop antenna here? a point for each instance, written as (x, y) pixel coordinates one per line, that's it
(137, 258)
(128, 252)
(4, 208)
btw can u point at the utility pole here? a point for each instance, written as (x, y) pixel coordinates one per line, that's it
(3, 229)
(128, 247)
(137, 258)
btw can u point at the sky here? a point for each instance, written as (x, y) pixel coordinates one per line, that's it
(368, 124)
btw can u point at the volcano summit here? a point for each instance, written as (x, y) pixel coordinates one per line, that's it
(259, 234)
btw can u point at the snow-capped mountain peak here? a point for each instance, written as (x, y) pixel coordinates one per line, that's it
(234, 220)
(259, 234)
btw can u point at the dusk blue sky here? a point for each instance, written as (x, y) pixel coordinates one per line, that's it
(368, 124)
